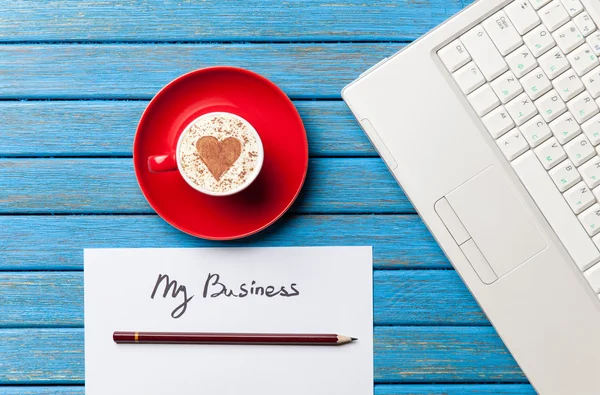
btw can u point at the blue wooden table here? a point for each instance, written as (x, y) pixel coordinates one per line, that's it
(75, 77)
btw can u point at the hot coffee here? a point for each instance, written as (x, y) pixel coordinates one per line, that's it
(220, 153)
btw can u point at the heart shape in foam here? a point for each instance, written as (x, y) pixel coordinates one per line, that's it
(218, 156)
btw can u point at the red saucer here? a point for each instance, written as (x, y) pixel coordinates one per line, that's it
(255, 99)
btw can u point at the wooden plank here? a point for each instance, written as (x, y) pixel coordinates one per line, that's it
(57, 242)
(222, 20)
(38, 356)
(401, 354)
(453, 389)
(413, 297)
(48, 299)
(107, 128)
(423, 297)
(138, 71)
(442, 354)
(109, 186)
(37, 390)
(380, 389)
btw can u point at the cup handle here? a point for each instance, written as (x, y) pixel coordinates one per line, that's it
(160, 163)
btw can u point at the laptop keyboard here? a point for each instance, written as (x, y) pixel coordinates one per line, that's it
(531, 73)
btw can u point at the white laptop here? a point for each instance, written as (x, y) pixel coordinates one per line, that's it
(491, 125)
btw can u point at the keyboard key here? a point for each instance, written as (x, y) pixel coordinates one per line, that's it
(484, 53)
(550, 153)
(512, 144)
(583, 59)
(565, 128)
(573, 7)
(522, 15)
(536, 83)
(596, 192)
(454, 55)
(590, 219)
(521, 109)
(593, 8)
(483, 100)
(579, 150)
(583, 107)
(585, 24)
(568, 85)
(568, 37)
(556, 211)
(521, 61)
(591, 129)
(537, 4)
(579, 197)
(593, 278)
(550, 105)
(498, 122)
(554, 15)
(594, 42)
(539, 40)
(554, 63)
(565, 175)
(596, 240)
(469, 78)
(502, 32)
(507, 86)
(590, 172)
(535, 131)
(592, 82)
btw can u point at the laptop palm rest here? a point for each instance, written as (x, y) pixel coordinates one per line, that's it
(501, 233)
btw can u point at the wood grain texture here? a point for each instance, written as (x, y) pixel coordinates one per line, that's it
(454, 389)
(413, 297)
(67, 71)
(401, 354)
(423, 297)
(31, 356)
(222, 20)
(46, 390)
(444, 354)
(107, 128)
(333, 185)
(380, 389)
(57, 242)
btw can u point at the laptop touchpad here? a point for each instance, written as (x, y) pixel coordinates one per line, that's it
(496, 220)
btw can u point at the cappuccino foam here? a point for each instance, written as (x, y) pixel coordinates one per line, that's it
(215, 172)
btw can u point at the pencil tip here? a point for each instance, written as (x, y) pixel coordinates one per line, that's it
(354, 338)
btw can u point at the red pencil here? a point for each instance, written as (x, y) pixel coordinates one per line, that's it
(231, 338)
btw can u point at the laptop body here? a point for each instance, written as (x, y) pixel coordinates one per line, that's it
(494, 198)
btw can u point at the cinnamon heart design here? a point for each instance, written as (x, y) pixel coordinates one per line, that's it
(217, 155)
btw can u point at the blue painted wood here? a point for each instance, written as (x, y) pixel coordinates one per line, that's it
(424, 297)
(136, 71)
(56, 242)
(444, 354)
(422, 352)
(222, 20)
(401, 354)
(46, 390)
(333, 185)
(413, 297)
(106, 128)
(454, 389)
(41, 356)
(380, 389)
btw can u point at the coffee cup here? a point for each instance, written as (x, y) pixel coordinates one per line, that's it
(218, 154)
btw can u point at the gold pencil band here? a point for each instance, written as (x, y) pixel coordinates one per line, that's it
(136, 337)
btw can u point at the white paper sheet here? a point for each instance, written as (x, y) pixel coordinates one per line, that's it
(334, 286)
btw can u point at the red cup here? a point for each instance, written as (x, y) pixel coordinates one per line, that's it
(172, 160)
